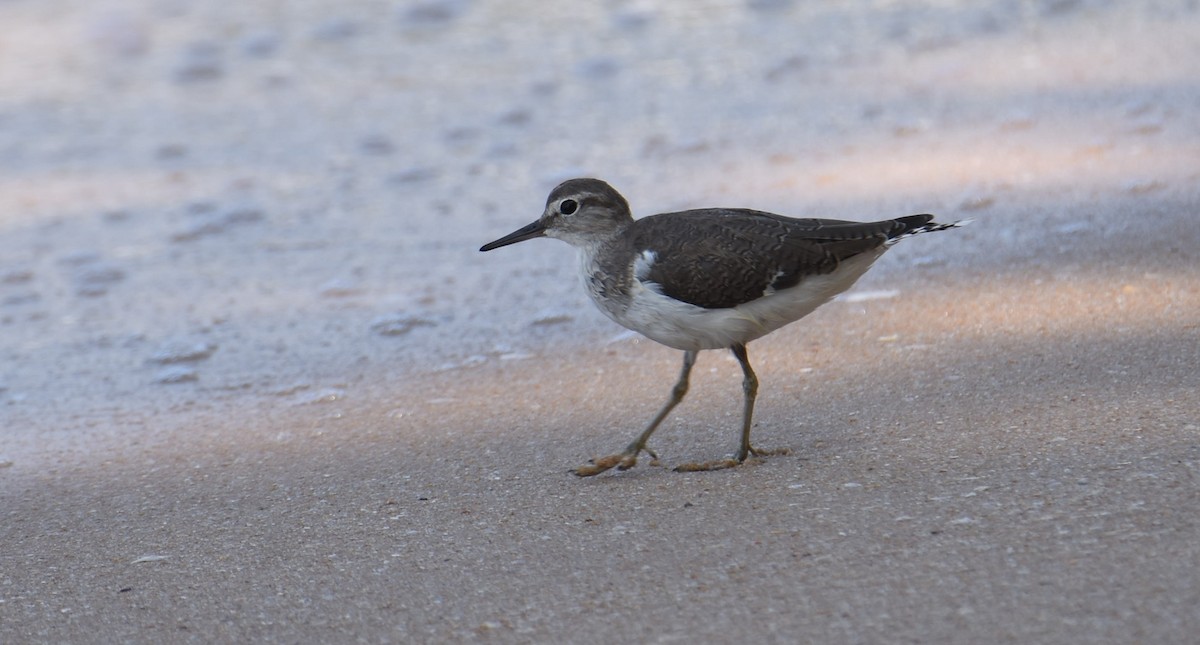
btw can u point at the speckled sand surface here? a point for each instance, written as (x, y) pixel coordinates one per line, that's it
(258, 385)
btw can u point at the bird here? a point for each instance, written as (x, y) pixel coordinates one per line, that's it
(710, 278)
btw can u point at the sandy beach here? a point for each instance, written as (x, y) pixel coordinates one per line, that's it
(257, 384)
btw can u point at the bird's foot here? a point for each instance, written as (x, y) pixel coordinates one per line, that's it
(623, 461)
(695, 467)
(736, 460)
(770, 453)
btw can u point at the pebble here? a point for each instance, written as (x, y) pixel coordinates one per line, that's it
(1057, 7)
(168, 151)
(176, 374)
(769, 5)
(633, 18)
(263, 43)
(201, 207)
(413, 175)
(399, 324)
(340, 288)
(199, 61)
(1144, 186)
(79, 258)
(24, 298)
(432, 13)
(911, 127)
(551, 317)
(217, 224)
(515, 117)
(794, 65)
(15, 275)
(377, 144)
(597, 69)
(181, 350)
(336, 29)
(324, 395)
(95, 279)
(115, 216)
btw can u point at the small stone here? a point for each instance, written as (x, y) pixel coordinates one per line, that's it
(115, 216)
(201, 207)
(600, 68)
(15, 275)
(79, 258)
(462, 134)
(340, 288)
(1144, 186)
(95, 279)
(1057, 7)
(794, 65)
(183, 351)
(413, 175)
(28, 297)
(215, 225)
(399, 324)
(632, 18)
(199, 61)
(910, 128)
(171, 151)
(243, 215)
(769, 5)
(324, 395)
(551, 317)
(335, 29)
(176, 374)
(261, 44)
(515, 117)
(377, 144)
(433, 13)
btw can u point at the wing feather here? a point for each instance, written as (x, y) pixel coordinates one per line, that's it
(722, 258)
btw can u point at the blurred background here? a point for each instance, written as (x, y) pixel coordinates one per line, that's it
(282, 199)
(247, 339)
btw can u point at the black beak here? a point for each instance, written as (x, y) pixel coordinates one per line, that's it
(528, 232)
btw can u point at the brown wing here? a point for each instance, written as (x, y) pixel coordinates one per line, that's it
(721, 258)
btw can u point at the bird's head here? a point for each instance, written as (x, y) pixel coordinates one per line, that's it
(581, 212)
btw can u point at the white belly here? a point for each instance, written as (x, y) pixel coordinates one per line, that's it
(689, 327)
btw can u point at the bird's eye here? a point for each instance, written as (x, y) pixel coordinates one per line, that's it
(568, 206)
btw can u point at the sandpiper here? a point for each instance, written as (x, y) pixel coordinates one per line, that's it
(712, 278)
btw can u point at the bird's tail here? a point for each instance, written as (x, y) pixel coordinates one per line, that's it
(917, 224)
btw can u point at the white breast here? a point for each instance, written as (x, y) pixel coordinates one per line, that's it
(689, 327)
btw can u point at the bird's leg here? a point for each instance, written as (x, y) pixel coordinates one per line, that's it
(627, 459)
(749, 393)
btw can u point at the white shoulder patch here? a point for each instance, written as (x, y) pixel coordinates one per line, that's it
(642, 264)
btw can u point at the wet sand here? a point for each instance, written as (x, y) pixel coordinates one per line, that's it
(257, 383)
